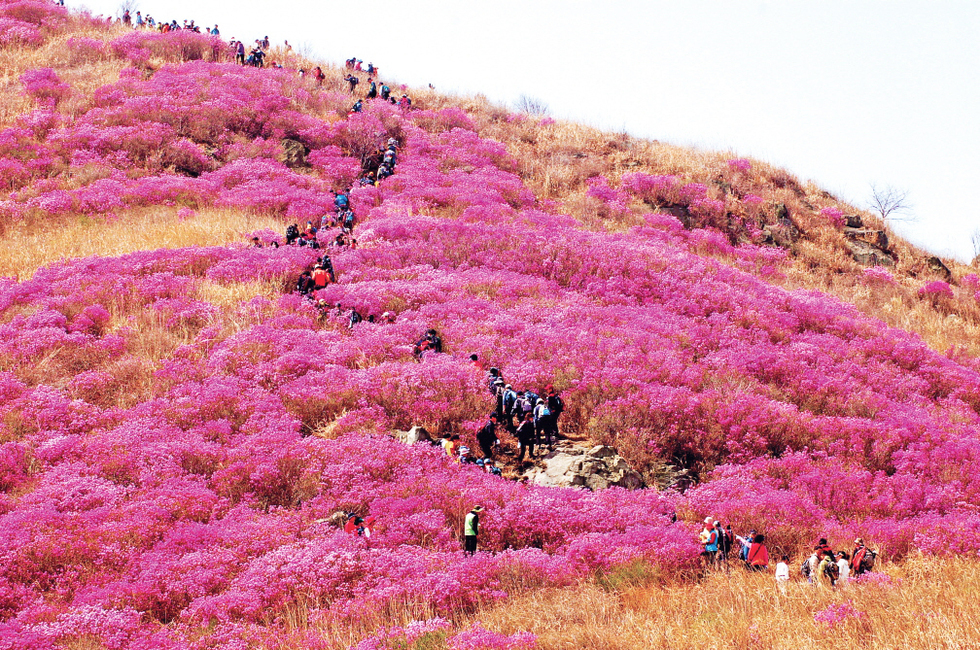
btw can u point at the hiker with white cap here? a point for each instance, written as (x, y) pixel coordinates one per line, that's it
(709, 538)
(471, 529)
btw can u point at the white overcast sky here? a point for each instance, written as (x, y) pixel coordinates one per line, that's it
(843, 92)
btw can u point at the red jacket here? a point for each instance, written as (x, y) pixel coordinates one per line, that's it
(758, 555)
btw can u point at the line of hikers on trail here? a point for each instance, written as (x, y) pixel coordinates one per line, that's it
(255, 55)
(530, 417)
(823, 567)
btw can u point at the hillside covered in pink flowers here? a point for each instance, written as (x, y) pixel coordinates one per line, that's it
(177, 424)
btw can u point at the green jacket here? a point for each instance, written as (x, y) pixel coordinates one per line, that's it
(472, 526)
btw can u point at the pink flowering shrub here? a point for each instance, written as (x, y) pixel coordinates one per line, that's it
(834, 216)
(480, 638)
(740, 165)
(44, 86)
(935, 290)
(878, 275)
(838, 613)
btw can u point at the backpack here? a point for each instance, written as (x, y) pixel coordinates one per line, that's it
(556, 405)
(867, 562)
(833, 571)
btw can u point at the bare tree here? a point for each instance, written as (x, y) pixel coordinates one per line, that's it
(128, 5)
(531, 105)
(975, 240)
(891, 203)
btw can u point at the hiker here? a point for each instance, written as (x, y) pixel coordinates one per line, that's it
(809, 568)
(492, 377)
(843, 568)
(347, 219)
(429, 341)
(320, 277)
(475, 362)
(357, 107)
(340, 201)
(725, 541)
(498, 394)
(353, 81)
(305, 283)
(709, 538)
(525, 437)
(862, 558)
(449, 445)
(471, 530)
(358, 526)
(385, 92)
(509, 400)
(265, 43)
(319, 75)
(487, 437)
(240, 53)
(327, 264)
(373, 90)
(758, 559)
(542, 423)
(827, 571)
(354, 318)
(256, 243)
(405, 102)
(782, 574)
(557, 406)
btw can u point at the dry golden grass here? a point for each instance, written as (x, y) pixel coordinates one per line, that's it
(930, 605)
(28, 246)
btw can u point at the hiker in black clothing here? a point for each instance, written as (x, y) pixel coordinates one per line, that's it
(556, 406)
(385, 92)
(292, 234)
(353, 81)
(305, 283)
(525, 436)
(354, 319)
(373, 91)
(357, 107)
(327, 263)
(487, 437)
(429, 341)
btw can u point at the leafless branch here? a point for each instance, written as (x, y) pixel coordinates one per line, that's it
(891, 203)
(531, 105)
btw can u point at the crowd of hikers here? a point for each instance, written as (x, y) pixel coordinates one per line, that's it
(255, 55)
(529, 416)
(824, 566)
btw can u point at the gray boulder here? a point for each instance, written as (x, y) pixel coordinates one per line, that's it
(413, 435)
(596, 469)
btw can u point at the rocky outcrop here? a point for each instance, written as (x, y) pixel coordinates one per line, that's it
(413, 435)
(869, 247)
(936, 266)
(294, 154)
(876, 238)
(596, 469)
(869, 255)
